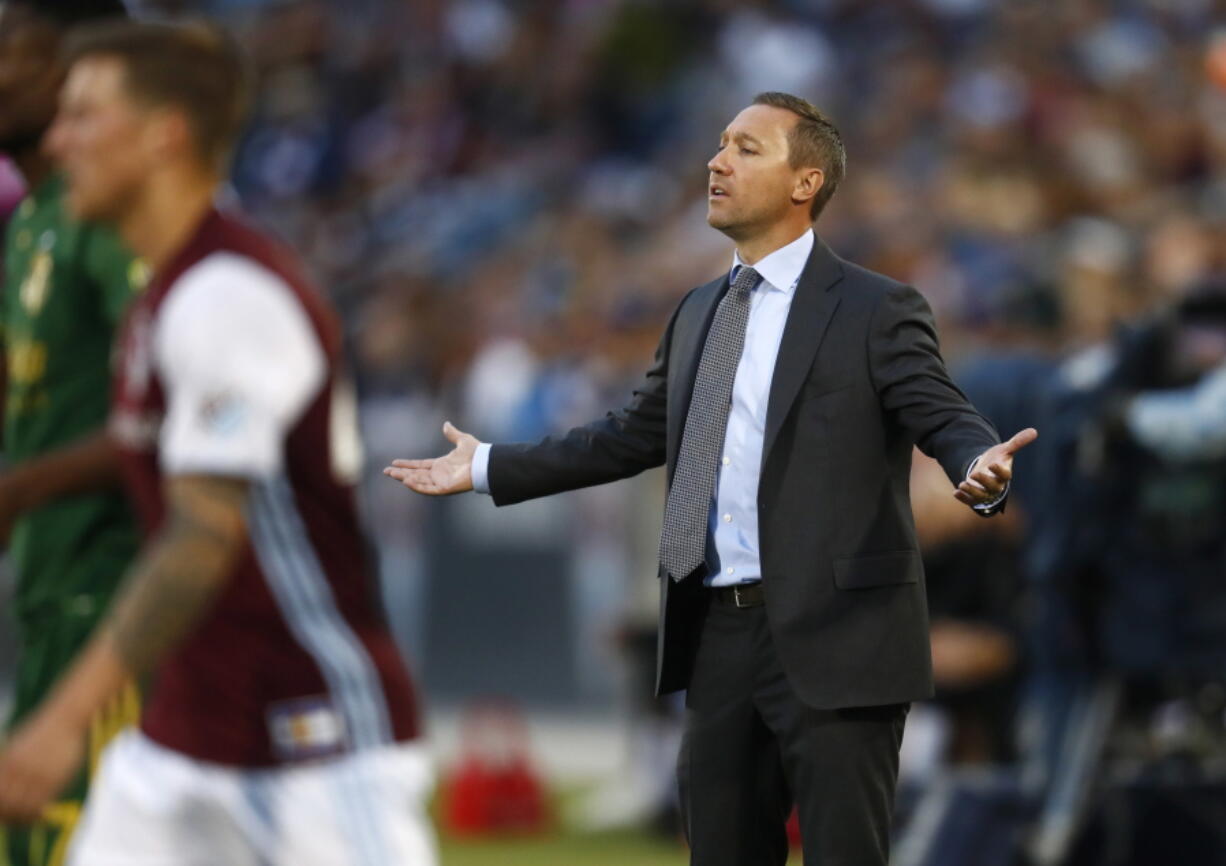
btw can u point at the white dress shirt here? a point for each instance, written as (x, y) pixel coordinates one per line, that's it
(734, 513)
(734, 518)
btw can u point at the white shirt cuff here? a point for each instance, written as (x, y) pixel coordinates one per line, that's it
(993, 502)
(481, 468)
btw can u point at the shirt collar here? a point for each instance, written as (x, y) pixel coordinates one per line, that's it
(781, 269)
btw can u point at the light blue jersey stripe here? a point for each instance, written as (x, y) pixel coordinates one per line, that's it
(297, 581)
(357, 810)
(306, 599)
(257, 794)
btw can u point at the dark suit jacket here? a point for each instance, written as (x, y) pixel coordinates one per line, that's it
(858, 380)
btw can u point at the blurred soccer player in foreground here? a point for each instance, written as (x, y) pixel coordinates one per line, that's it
(69, 529)
(281, 722)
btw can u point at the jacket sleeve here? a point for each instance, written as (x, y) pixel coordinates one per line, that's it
(914, 387)
(622, 444)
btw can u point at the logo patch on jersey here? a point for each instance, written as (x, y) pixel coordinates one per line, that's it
(27, 361)
(34, 287)
(223, 414)
(138, 275)
(305, 728)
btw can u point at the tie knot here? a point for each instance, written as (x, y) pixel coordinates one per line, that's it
(746, 279)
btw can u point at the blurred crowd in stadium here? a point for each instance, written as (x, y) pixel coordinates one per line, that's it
(495, 192)
(1042, 169)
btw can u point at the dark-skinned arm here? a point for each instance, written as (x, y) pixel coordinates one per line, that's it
(170, 587)
(88, 464)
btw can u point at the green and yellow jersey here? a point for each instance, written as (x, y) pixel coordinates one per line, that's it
(66, 286)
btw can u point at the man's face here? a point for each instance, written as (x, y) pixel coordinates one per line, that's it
(98, 139)
(751, 181)
(30, 77)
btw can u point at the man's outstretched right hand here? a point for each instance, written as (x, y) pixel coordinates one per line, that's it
(439, 476)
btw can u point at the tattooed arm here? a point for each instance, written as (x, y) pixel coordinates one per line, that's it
(167, 591)
(173, 584)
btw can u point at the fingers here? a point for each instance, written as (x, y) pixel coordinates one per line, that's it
(414, 464)
(399, 474)
(428, 463)
(972, 492)
(415, 479)
(453, 434)
(992, 478)
(1021, 439)
(427, 482)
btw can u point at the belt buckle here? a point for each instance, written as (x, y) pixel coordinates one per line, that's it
(736, 596)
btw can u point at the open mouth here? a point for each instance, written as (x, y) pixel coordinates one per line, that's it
(716, 191)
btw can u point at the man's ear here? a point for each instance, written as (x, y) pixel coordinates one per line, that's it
(808, 184)
(169, 134)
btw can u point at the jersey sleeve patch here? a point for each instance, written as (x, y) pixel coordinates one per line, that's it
(240, 362)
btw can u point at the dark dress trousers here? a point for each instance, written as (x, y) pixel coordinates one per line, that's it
(841, 644)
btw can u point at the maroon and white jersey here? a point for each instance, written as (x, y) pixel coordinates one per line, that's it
(228, 367)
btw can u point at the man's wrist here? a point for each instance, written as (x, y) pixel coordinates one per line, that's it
(994, 501)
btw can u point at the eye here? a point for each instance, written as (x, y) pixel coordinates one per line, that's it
(747, 151)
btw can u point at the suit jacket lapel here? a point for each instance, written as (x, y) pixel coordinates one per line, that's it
(810, 314)
(689, 337)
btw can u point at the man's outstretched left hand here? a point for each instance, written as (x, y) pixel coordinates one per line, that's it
(993, 470)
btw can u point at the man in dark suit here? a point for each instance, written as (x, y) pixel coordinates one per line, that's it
(784, 399)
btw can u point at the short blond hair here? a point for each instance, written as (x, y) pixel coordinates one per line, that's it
(194, 66)
(814, 142)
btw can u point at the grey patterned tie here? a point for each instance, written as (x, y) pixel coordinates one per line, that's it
(684, 539)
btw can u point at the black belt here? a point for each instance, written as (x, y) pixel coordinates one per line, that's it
(741, 595)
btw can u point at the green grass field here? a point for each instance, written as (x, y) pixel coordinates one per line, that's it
(605, 849)
(613, 849)
(566, 847)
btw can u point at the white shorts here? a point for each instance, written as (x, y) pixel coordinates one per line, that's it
(150, 806)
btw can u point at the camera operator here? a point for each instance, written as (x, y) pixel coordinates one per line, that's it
(1130, 607)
